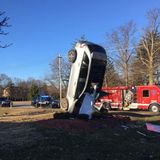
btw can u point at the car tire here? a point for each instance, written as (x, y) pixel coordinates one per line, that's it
(36, 105)
(106, 106)
(83, 116)
(72, 55)
(64, 104)
(154, 108)
(11, 104)
(50, 105)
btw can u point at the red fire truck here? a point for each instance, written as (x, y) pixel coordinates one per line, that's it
(126, 98)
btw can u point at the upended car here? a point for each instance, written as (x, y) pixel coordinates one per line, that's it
(5, 102)
(88, 68)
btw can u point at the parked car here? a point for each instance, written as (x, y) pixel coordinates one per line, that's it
(5, 102)
(41, 101)
(45, 100)
(88, 68)
(55, 104)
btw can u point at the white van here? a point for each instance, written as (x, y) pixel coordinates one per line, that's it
(88, 67)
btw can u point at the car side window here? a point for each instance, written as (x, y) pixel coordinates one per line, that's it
(82, 75)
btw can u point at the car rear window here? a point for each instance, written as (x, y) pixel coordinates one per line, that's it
(96, 48)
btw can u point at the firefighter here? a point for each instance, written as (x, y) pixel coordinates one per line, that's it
(128, 100)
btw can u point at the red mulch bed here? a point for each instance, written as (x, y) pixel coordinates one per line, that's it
(75, 124)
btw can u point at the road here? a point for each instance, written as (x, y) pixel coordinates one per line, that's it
(24, 104)
(26, 109)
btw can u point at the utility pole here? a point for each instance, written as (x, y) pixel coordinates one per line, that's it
(60, 77)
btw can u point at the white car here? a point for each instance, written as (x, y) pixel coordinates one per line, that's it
(88, 67)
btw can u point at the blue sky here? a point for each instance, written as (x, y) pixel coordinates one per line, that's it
(42, 29)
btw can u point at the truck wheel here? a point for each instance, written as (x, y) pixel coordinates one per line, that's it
(72, 55)
(106, 106)
(64, 104)
(154, 107)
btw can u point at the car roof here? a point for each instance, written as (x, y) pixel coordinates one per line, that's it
(3, 97)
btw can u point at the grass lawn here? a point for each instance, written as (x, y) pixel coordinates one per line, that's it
(115, 136)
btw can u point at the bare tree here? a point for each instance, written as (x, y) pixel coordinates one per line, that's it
(149, 48)
(122, 41)
(111, 77)
(53, 78)
(138, 72)
(3, 24)
(65, 68)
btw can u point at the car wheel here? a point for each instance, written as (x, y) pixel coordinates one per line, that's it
(154, 107)
(106, 106)
(64, 104)
(36, 105)
(72, 55)
(11, 104)
(83, 116)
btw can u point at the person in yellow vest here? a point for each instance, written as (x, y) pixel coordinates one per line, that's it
(128, 100)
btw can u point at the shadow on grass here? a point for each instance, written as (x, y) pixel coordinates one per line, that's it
(75, 139)
(143, 116)
(135, 113)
